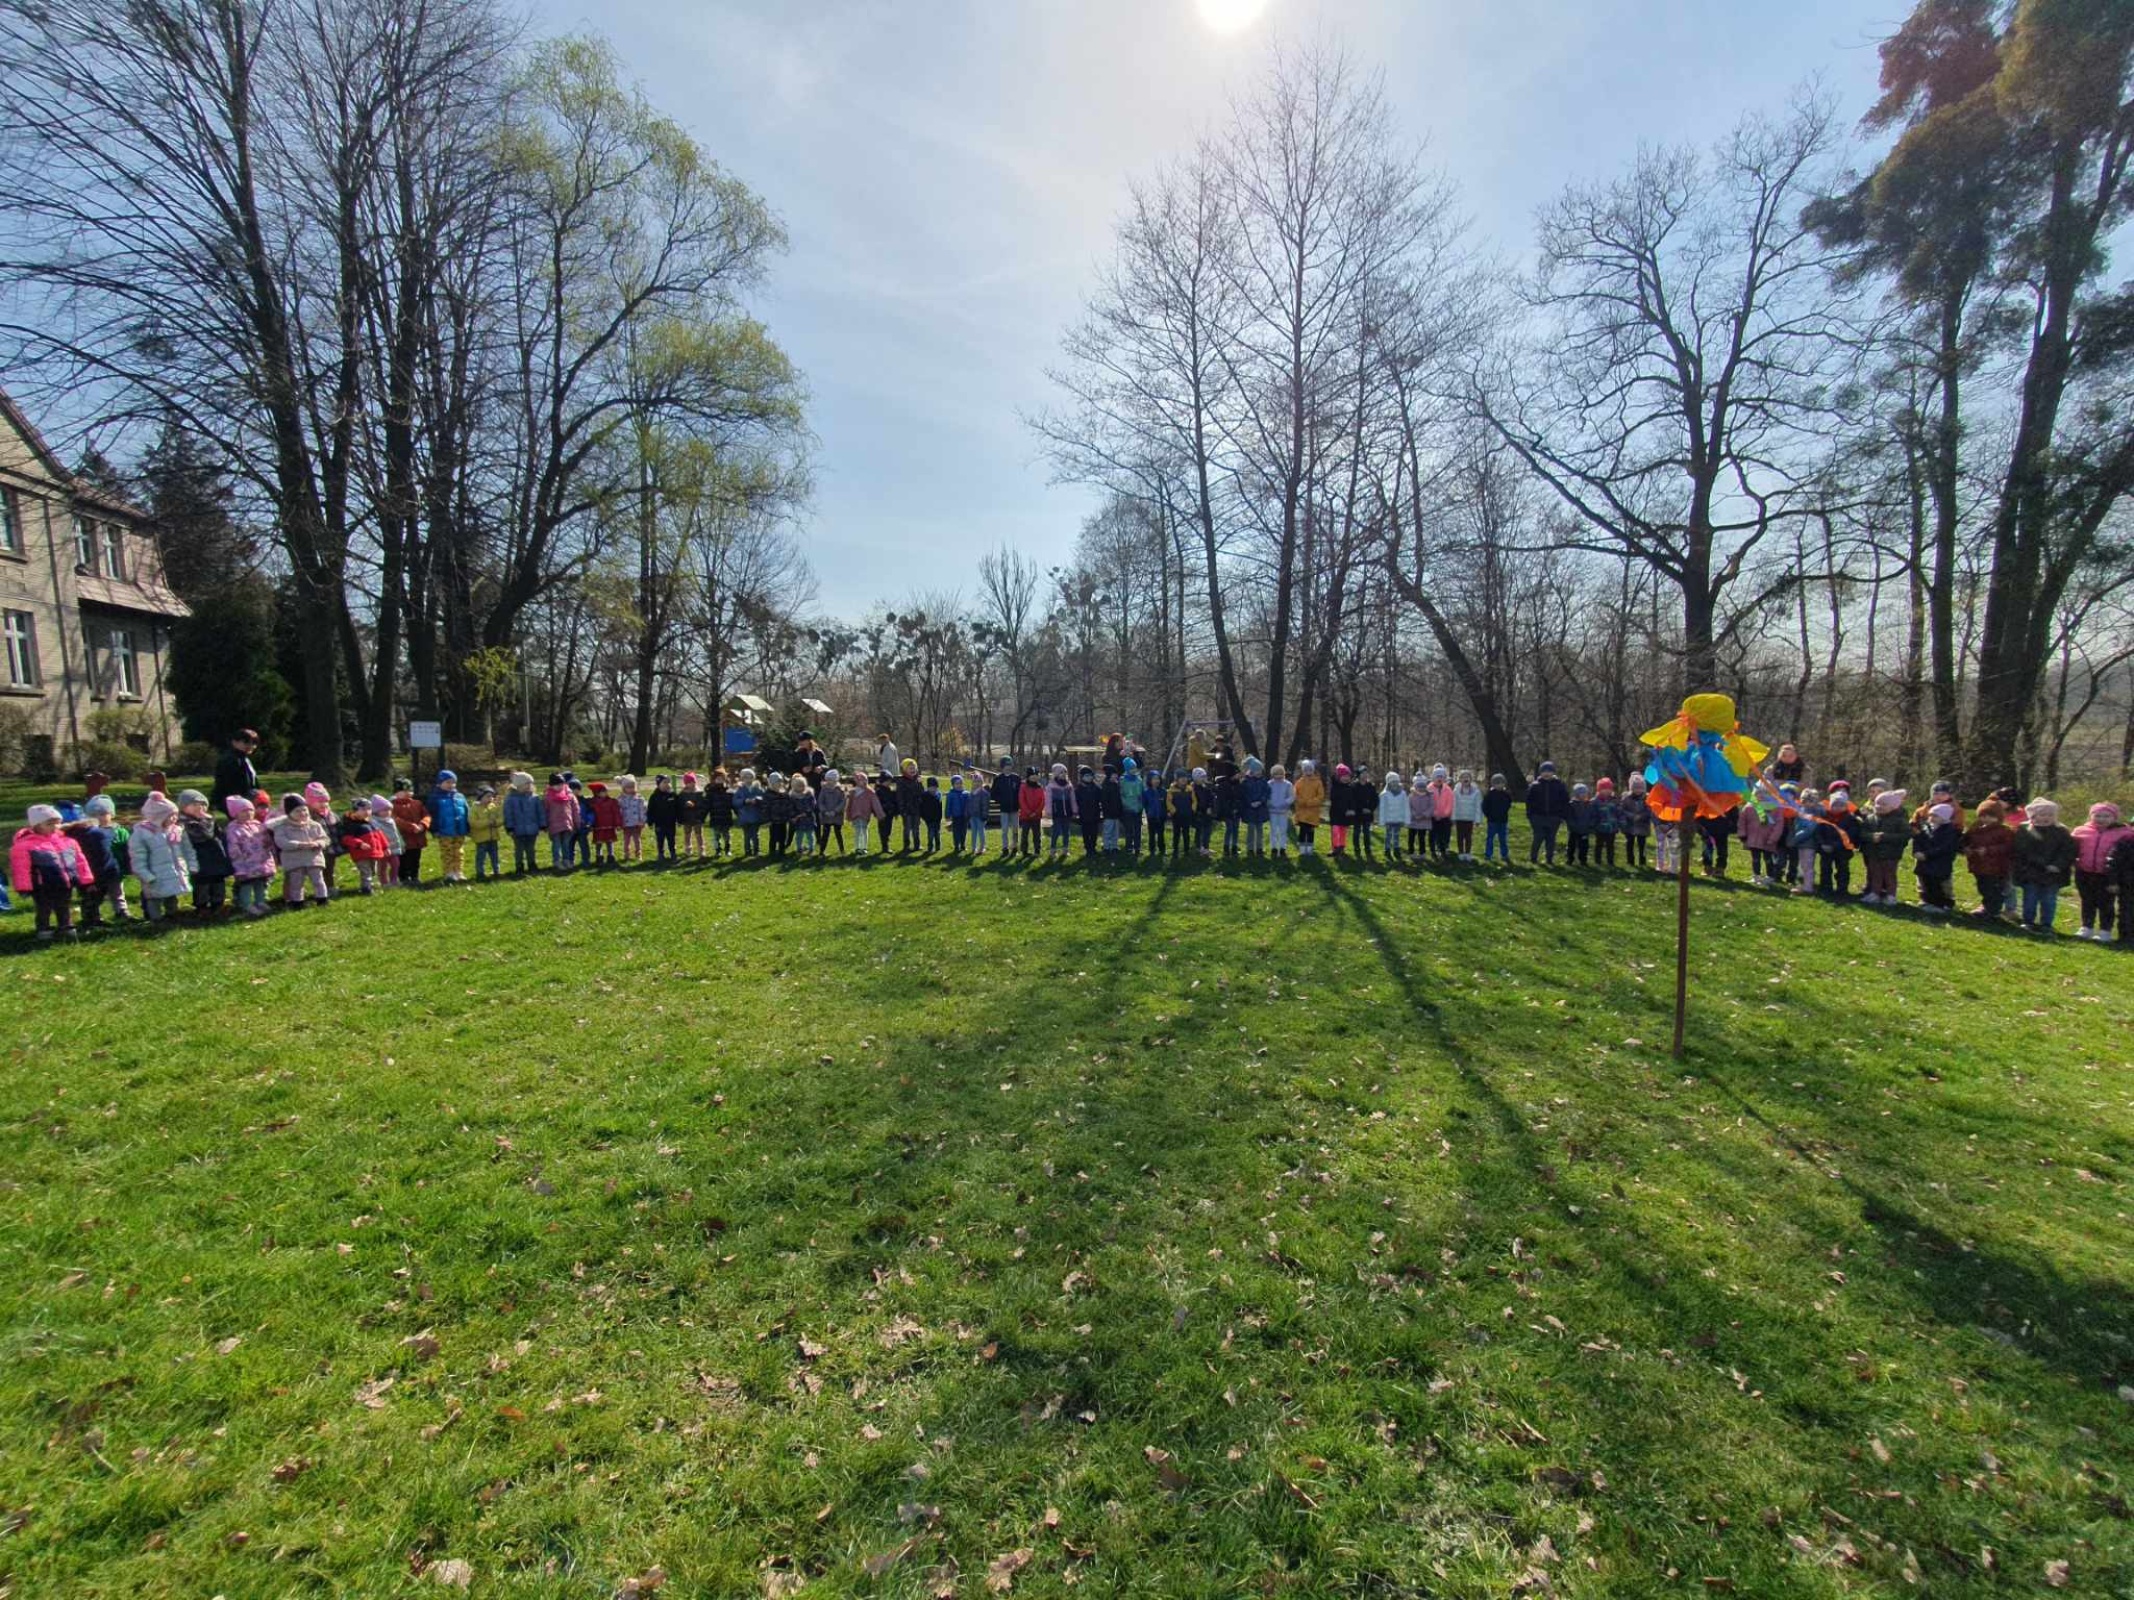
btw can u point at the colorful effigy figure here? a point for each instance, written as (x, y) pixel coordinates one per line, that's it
(1702, 764)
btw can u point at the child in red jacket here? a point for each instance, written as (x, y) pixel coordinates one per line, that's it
(48, 866)
(607, 824)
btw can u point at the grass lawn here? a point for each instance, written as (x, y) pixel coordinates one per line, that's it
(914, 1230)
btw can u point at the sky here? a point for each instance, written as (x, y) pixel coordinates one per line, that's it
(950, 173)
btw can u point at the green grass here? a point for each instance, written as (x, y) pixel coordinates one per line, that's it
(1198, 1232)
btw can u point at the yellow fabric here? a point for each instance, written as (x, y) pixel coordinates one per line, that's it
(1710, 713)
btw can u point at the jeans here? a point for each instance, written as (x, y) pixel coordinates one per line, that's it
(1230, 827)
(663, 841)
(559, 851)
(487, 854)
(978, 836)
(1130, 830)
(2041, 903)
(1256, 838)
(1543, 844)
(1393, 832)
(522, 852)
(1111, 833)
(251, 896)
(1497, 842)
(958, 831)
(751, 838)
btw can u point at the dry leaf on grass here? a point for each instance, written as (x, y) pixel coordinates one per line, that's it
(1000, 1571)
(372, 1394)
(454, 1574)
(291, 1470)
(230, 1344)
(650, 1581)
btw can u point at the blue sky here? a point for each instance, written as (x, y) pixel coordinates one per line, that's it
(950, 171)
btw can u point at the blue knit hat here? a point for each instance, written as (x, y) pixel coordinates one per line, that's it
(447, 775)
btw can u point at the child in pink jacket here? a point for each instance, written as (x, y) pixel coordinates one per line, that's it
(48, 866)
(2094, 840)
(251, 851)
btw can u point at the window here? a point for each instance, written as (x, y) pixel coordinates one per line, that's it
(10, 523)
(114, 551)
(84, 543)
(20, 629)
(125, 669)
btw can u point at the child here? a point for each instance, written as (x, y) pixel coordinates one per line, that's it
(1030, 804)
(959, 814)
(1807, 822)
(1718, 832)
(1440, 816)
(414, 825)
(664, 815)
(48, 866)
(1666, 843)
(748, 809)
(1837, 840)
(1007, 807)
(2094, 842)
(632, 806)
(582, 837)
(1497, 820)
(1886, 835)
(1578, 821)
(525, 818)
(158, 850)
(1060, 810)
(449, 825)
(561, 810)
(1309, 810)
(911, 804)
(2122, 869)
(1789, 810)
(981, 800)
(1989, 851)
(206, 859)
(321, 804)
(1548, 803)
(300, 842)
(1936, 847)
(1421, 803)
(485, 829)
(692, 808)
(717, 811)
(1111, 805)
(362, 842)
(1341, 805)
(1466, 812)
(830, 803)
(1181, 806)
(1607, 821)
(2043, 857)
(607, 824)
(1281, 808)
(1089, 811)
(1634, 817)
(1253, 808)
(388, 826)
(251, 852)
(1133, 805)
(863, 808)
(96, 836)
(803, 799)
(1393, 815)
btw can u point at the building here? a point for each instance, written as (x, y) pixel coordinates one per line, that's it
(85, 612)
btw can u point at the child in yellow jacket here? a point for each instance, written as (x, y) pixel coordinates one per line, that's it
(485, 831)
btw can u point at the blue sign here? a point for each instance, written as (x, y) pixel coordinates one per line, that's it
(740, 741)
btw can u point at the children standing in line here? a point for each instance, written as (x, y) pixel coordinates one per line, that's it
(562, 808)
(930, 808)
(1089, 811)
(1936, 846)
(582, 837)
(1837, 841)
(911, 806)
(1548, 803)
(206, 859)
(158, 851)
(1133, 799)
(485, 827)
(631, 805)
(1807, 827)
(1253, 808)
(524, 818)
(382, 818)
(1007, 807)
(300, 843)
(1030, 807)
(663, 815)
(1607, 821)
(959, 813)
(362, 842)
(98, 837)
(1179, 808)
(803, 799)
(48, 866)
(691, 809)
(863, 808)
(717, 809)
(1341, 805)
(1440, 815)
(1059, 812)
(413, 823)
(1885, 836)
(607, 824)
(251, 853)
(1421, 803)
(2044, 855)
(1393, 815)
(2094, 842)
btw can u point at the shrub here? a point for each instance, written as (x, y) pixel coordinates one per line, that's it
(15, 725)
(195, 755)
(115, 758)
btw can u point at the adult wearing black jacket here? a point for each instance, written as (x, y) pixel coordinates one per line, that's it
(233, 771)
(1548, 807)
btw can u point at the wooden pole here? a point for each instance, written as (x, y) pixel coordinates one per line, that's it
(1682, 845)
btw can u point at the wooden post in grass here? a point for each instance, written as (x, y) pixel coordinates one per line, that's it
(1681, 936)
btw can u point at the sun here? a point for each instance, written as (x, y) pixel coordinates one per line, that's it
(1231, 16)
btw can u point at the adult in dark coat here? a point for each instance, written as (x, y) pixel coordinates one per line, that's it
(233, 771)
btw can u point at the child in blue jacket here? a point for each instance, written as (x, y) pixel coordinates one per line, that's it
(525, 817)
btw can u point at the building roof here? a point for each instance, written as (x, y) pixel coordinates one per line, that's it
(155, 601)
(78, 486)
